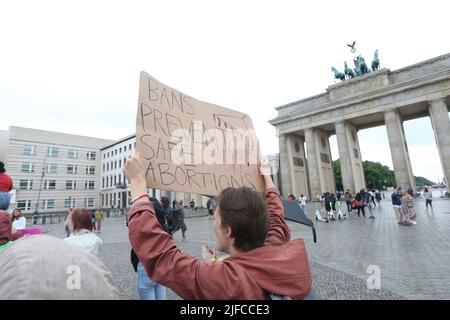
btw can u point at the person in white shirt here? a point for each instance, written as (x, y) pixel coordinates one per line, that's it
(302, 200)
(18, 221)
(81, 233)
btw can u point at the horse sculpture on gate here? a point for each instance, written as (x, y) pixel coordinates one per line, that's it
(376, 61)
(361, 67)
(348, 71)
(338, 75)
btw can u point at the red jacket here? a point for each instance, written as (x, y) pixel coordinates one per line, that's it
(280, 267)
(5, 182)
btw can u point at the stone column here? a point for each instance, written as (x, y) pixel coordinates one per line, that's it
(313, 163)
(348, 179)
(198, 200)
(441, 126)
(187, 199)
(165, 193)
(399, 150)
(286, 183)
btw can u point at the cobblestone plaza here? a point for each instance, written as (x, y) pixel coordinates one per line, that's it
(414, 261)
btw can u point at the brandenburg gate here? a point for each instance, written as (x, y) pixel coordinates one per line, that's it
(381, 97)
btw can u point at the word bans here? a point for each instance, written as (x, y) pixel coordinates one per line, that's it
(169, 175)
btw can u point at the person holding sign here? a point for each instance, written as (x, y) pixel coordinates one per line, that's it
(262, 261)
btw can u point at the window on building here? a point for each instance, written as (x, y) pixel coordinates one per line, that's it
(48, 204)
(115, 152)
(52, 152)
(69, 202)
(71, 184)
(24, 205)
(108, 154)
(110, 181)
(29, 150)
(115, 164)
(26, 184)
(120, 179)
(27, 167)
(51, 168)
(124, 148)
(90, 170)
(72, 154)
(115, 180)
(90, 155)
(135, 145)
(120, 163)
(103, 168)
(106, 199)
(88, 202)
(129, 146)
(49, 184)
(89, 185)
(120, 150)
(107, 166)
(103, 183)
(72, 169)
(124, 161)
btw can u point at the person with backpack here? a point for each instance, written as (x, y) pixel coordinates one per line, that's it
(147, 288)
(211, 207)
(178, 219)
(360, 202)
(330, 204)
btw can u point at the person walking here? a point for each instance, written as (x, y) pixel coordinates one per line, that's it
(302, 200)
(146, 287)
(396, 198)
(360, 202)
(178, 219)
(6, 185)
(371, 206)
(408, 205)
(428, 200)
(211, 206)
(99, 216)
(348, 200)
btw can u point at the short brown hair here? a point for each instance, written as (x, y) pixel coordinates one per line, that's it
(244, 211)
(81, 219)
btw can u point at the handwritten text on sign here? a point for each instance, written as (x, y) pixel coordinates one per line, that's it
(192, 146)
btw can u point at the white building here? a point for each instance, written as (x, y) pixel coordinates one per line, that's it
(52, 171)
(115, 190)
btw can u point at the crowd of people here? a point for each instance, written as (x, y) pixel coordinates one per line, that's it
(403, 204)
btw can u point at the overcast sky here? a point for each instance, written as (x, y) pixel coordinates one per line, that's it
(73, 66)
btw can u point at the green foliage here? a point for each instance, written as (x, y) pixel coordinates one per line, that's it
(377, 176)
(421, 181)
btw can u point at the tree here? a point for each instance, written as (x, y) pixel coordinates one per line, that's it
(377, 175)
(421, 181)
(337, 174)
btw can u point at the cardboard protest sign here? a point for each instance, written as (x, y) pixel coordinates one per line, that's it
(187, 145)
